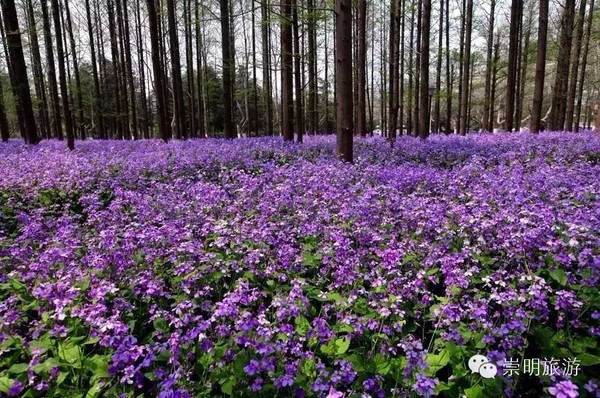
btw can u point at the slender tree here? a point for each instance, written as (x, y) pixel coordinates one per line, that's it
(485, 122)
(228, 66)
(161, 105)
(343, 79)
(511, 82)
(52, 80)
(464, 105)
(393, 68)
(584, 58)
(19, 76)
(178, 105)
(287, 91)
(299, 113)
(424, 97)
(78, 91)
(540, 67)
(559, 96)
(438, 75)
(362, 71)
(570, 112)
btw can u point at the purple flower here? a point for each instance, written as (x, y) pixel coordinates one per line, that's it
(252, 368)
(564, 389)
(425, 385)
(15, 389)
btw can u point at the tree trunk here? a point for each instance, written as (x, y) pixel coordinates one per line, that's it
(97, 93)
(449, 77)
(141, 71)
(78, 94)
(438, 76)
(54, 99)
(4, 130)
(200, 78)
(287, 101)
(393, 69)
(411, 73)
(229, 130)
(570, 112)
(266, 60)
(424, 97)
(313, 113)
(540, 68)
(495, 68)
(38, 73)
(178, 108)
(129, 67)
(524, 64)
(485, 122)
(461, 63)
(62, 75)
(464, 102)
(417, 91)
(299, 114)
(362, 72)
(563, 62)
(512, 65)
(343, 79)
(19, 76)
(401, 77)
(584, 57)
(161, 105)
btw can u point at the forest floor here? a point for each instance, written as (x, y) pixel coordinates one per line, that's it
(261, 268)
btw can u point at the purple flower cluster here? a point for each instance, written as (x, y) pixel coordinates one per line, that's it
(211, 267)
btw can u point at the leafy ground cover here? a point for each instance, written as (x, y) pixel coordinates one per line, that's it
(263, 268)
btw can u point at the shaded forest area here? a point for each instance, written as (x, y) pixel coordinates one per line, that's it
(132, 69)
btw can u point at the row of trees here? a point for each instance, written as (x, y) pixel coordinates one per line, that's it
(177, 68)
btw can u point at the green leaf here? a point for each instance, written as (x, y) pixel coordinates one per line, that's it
(474, 392)
(437, 361)
(227, 386)
(18, 368)
(71, 355)
(302, 325)
(588, 359)
(5, 384)
(559, 275)
(341, 345)
(46, 365)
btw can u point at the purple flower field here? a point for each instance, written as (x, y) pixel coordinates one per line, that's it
(261, 268)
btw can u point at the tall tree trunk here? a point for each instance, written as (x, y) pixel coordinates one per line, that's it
(287, 99)
(512, 64)
(266, 66)
(254, 82)
(485, 122)
(449, 77)
(200, 78)
(540, 68)
(343, 79)
(299, 114)
(570, 112)
(189, 63)
(563, 62)
(438, 76)
(229, 129)
(584, 57)
(4, 129)
(38, 73)
(418, 54)
(461, 63)
(54, 99)
(524, 63)
(362, 71)
(464, 102)
(424, 97)
(99, 127)
(313, 113)
(62, 75)
(78, 94)
(19, 76)
(393, 68)
(142, 71)
(401, 77)
(116, 64)
(495, 67)
(411, 73)
(129, 67)
(161, 105)
(179, 108)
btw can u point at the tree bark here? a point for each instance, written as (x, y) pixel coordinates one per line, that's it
(393, 69)
(362, 71)
(424, 97)
(78, 94)
(540, 68)
(179, 107)
(52, 80)
(62, 75)
(570, 112)
(299, 113)
(464, 103)
(229, 130)
(559, 97)
(438, 76)
(343, 79)
(161, 106)
(19, 76)
(485, 122)
(512, 65)
(287, 91)
(584, 57)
